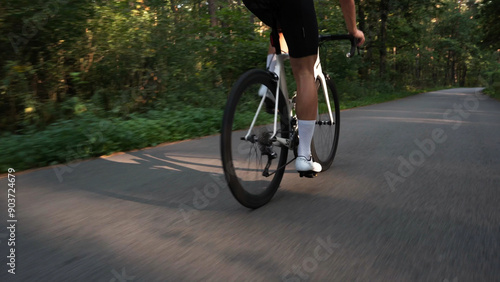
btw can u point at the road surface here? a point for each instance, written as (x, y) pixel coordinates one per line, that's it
(413, 195)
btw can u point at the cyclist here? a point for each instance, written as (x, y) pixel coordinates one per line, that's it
(296, 20)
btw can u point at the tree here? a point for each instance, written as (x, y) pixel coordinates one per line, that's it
(490, 23)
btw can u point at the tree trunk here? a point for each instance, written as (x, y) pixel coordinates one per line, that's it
(453, 79)
(463, 74)
(384, 11)
(447, 78)
(417, 66)
(174, 9)
(362, 70)
(212, 9)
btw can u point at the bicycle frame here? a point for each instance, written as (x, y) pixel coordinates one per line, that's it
(279, 72)
(254, 159)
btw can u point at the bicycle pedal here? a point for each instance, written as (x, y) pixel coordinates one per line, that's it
(308, 174)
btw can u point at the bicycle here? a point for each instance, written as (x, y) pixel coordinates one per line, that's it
(254, 156)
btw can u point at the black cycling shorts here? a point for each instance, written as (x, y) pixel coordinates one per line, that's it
(295, 18)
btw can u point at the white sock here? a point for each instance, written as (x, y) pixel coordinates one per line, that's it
(306, 131)
(270, 64)
(271, 61)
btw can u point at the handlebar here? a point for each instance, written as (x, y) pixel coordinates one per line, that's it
(352, 39)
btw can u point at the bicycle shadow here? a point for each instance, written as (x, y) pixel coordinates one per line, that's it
(372, 231)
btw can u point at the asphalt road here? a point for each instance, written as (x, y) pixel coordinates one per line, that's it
(413, 195)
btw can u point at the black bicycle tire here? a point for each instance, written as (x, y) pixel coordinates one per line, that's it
(235, 186)
(327, 162)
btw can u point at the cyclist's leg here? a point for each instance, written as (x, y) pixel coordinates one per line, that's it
(271, 56)
(307, 98)
(299, 25)
(271, 52)
(307, 108)
(271, 65)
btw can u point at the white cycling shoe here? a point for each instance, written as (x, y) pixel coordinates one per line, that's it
(307, 167)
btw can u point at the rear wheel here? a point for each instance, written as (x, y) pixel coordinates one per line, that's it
(253, 162)
(326, 131)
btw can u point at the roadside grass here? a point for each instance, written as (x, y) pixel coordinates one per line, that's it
(493, 91)
(90, 136)
(374, 99)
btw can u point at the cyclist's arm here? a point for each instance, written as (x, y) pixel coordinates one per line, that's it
(349, 11)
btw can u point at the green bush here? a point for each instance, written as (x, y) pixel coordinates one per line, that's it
(90, 136)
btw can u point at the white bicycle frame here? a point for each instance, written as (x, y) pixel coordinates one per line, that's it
(279, 70)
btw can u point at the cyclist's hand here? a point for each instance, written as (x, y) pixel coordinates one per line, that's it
(358, 34)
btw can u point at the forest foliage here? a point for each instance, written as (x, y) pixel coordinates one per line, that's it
(71, 63)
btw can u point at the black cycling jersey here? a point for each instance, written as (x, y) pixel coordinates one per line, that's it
(295, 18)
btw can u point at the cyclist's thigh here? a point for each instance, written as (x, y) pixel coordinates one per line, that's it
(297, 19)
(263, 9)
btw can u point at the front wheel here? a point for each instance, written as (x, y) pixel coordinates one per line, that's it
(326, 131)
(253, 162)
